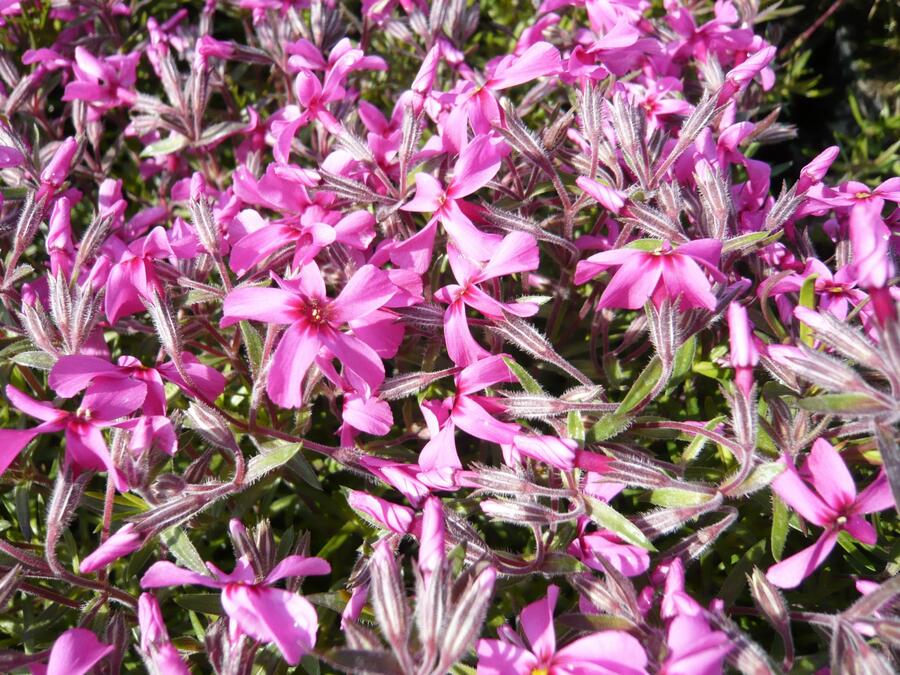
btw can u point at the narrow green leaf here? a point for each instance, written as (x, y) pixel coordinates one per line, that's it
(34, 359)
(780, 517)
(167, 146)
(253, 343)
(759, 478)
(575, 427)
(205, 603)
(808, 300)
(678, 497)
(528, 383)
(608, 426)
(684, 358)
(273, 456)
(642, 386)
(608, 518)
(183, 549)
(843, 404)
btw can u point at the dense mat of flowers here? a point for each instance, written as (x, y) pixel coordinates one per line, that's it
(519, 362)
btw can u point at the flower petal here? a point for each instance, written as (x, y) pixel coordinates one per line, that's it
(76, 652)
(791, 571)
(269, 305)
(163, 574)
(294, 354)
(273, 615)
(829, 475)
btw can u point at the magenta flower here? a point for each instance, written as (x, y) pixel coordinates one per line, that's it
(477, 164)
(832, 503)
(133, 277)
(71, 374)
(270, 615)
(588, 547)
(123, 542)
(518, 252)
(539, 60)
(103, 82)
(744, 355)
(466, 411)
(75, 652)
(693, 647)
(103, 404)
(603, 653)
(315, 321)
(157, 650)
(658, 274)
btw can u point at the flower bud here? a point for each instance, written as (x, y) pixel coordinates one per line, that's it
(122, 543)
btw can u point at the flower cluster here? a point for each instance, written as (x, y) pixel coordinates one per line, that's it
(440, 322)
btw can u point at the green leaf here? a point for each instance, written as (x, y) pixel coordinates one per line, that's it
(843, 404)
(608, 518)
(183, 550)
(780, 518)
(744, 242)
(528, 383)
(808, 300)
(695, 447)
(254, 344)
(34, 359)
(684, 358)
(166, 146)
(205, 603)
(645, 244)
(300, 467)
(642, 387)
(557, 562)
(678, 497)
(608, 426)
(273, 456)
(759, 478)
(575, 426)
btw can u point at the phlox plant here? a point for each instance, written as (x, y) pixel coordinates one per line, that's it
(382, 338)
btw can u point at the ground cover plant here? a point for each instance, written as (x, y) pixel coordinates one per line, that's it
(412, 337)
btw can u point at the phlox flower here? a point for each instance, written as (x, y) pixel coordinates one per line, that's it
(75, 652)
(477, 164)
(103, 403)
(254, 607)
(518, 252)
(832, 503)
(315, 321)
(664, 272)
(609, 652)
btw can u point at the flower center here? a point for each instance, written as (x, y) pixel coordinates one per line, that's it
(316, 312)
(841, 520)
(84, 414)
(863, 195)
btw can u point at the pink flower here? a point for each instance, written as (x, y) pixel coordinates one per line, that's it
(833, 504)
(694, 647)
(314, 321)
(539, 60)
(604, 652)
(75, 652)
(103, 404)
(466, 411)
(133, 277)
(609, 198)
(518, 252)
(589, 546)
(477, 164)
(157, 649)
(103, 82)
(123, 542)
(658, 274)
(270, 615)
(744, 355)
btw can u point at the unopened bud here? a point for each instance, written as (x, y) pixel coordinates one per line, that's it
(125, 541)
